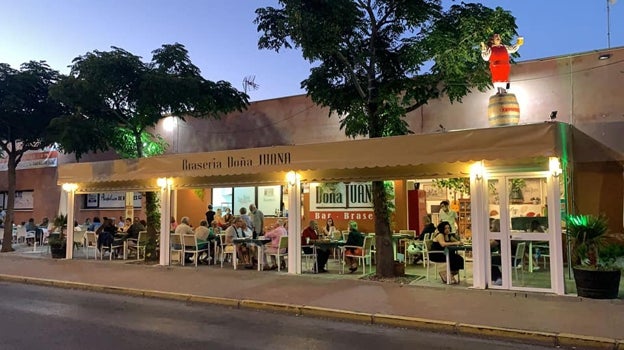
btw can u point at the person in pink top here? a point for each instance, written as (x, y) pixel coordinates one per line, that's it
(275, 234)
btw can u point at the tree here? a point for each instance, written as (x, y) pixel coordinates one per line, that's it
(116, 99)
(25, 114)
(371, 64)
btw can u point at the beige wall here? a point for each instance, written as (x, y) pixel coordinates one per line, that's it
(585, 91)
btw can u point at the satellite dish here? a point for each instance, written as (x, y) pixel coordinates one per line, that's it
(249, 83)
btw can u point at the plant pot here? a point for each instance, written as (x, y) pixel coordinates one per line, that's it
(58, 251)
(597, 284)
(399, 268)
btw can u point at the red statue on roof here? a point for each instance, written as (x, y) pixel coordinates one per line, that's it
(498, 55)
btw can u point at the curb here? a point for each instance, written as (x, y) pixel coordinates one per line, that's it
(563, 340)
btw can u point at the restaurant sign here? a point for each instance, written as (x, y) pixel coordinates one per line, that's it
(341, 196)
(229, 162)
(47, 157)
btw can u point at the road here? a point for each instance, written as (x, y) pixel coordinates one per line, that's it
(35, 317)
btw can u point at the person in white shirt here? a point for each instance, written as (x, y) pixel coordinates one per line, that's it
(446, 214)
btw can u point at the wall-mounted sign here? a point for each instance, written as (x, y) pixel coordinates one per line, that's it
(341, 195)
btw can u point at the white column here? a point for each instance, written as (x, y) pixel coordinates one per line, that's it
(165, 215)
(129, 213)
(294, 227)
(71, 195)
(554, 229)
(480, 225)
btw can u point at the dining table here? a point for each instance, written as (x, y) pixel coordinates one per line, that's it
(259, 242)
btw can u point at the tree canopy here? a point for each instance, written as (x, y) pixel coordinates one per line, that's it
(115, 98)
(25, 114)
(377, 60)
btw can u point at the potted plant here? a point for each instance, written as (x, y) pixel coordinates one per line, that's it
(58, 240)
(596, 271)
(515, 191)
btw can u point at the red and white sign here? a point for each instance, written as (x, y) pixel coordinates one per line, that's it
(34, 159)
(343, 215)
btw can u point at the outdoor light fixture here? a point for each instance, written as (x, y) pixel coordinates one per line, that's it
(478, 170)
(169, 123)
(162, 182)
(604, 56)
(67, 187)
(554, 166)
(292, 177)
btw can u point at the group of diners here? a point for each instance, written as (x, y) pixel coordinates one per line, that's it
(110, 234)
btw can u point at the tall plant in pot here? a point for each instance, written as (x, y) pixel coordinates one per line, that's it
(58, 239)
(596, 272)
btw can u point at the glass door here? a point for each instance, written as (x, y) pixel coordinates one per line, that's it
(519, 255)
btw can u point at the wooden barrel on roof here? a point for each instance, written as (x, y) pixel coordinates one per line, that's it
(503, 109)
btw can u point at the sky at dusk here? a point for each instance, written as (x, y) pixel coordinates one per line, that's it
(222, 39)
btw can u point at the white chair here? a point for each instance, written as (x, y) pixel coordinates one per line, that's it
(30, 235)
(79, 239)
(191, 246)
(308, 257)
(283, 245)
(366, 253)
(138, 244)
(90, 243)
(427, 252)
(116, 244)
(517, 262)
(176, 249)
(226, 249)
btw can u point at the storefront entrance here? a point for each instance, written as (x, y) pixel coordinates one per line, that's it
(519, 234)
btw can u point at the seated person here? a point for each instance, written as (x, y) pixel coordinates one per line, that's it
(443, 239)
(251, 249)
(429, 227)
(202, 234)
(106, 235)
(184, 228)
(308, 236)
(355, 238)
(30, 226)
(275, 234)
(236, 231)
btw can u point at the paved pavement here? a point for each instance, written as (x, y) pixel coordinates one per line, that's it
(565, 321)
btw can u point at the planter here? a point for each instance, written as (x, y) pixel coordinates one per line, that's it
(597, 284)
(58, 251)
(399, 269)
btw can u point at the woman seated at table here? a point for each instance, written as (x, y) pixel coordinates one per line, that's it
(355, 238)
(329, 228)
(441, 240)
(275, 235)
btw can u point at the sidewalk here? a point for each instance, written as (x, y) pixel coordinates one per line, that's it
(547, 319)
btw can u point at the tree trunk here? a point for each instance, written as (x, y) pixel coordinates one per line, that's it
(383, 236)
(7, 240)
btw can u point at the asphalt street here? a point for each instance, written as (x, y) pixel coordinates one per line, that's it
(35, 317)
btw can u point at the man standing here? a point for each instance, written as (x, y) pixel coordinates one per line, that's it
(257, 220)
(210, 214)
(308, 236)
(446, 214)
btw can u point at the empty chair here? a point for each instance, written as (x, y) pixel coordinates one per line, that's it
(138, 244)
(226, 249)
(90, 242)
(177, 249)
(79, 239)
(517, 263)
